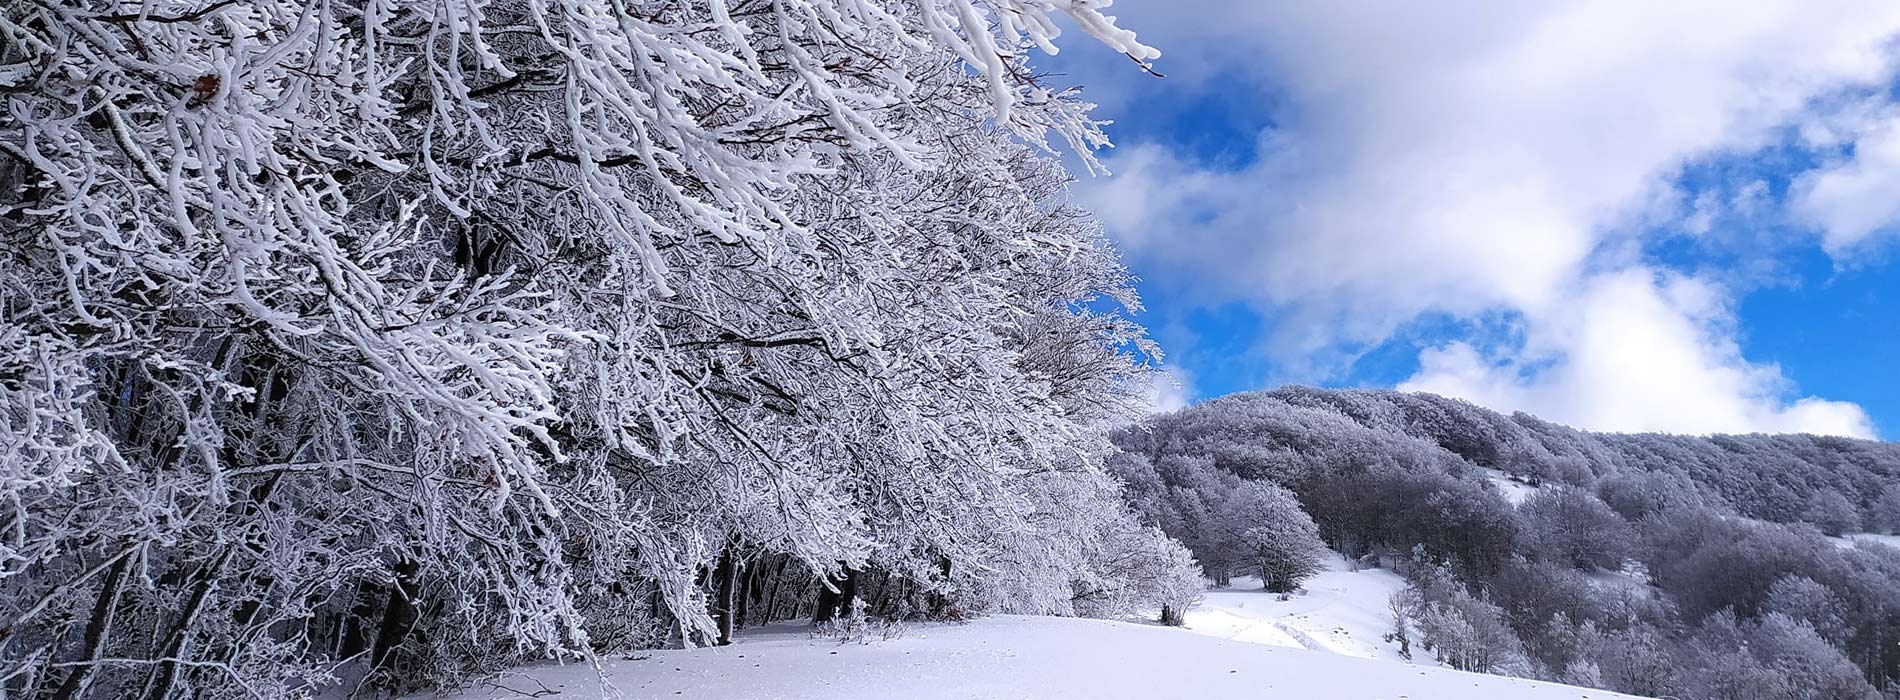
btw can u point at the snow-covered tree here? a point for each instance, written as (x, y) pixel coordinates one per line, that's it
(1571, 526)
(1459, 629)
(1636, 495)
(1886, 514)
(1804, 599)
(412, 339)
(1832, 512)
(1776, 657)
(1271, 536)
(1138, 569)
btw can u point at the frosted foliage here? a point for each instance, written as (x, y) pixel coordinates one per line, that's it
(1274, 538)
(1886, 515)
(425, 337)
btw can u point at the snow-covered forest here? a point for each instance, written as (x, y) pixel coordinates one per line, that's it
(1655, 565)
(375, 344)
(360, 348)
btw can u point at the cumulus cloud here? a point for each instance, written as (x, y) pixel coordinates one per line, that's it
(1853, 199)
(1643, 350)
(1465, 158)
(1170, 390)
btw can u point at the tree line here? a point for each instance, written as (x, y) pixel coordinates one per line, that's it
(379, 344)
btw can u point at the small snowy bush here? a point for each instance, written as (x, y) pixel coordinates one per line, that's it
(859, 629)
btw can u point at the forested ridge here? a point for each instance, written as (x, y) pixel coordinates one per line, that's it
(1657, 565)
(1770, 477)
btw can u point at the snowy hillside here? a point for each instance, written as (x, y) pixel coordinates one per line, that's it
(1855, 539)
(1009, 656)
(1339, 611)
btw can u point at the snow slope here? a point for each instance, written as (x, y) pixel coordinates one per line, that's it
(1339, 611)
(1009, 656)
(1512, 487)
(1854, 539)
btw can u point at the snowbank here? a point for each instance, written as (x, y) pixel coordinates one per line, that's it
(1011, 657)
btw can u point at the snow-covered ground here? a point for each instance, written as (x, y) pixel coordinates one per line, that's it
(1324, 643)
(1340, 611)
(1512, 487)
(1634, 577)
(1008, 656)
(1855, 539)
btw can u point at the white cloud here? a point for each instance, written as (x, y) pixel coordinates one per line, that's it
(1643, 351)
(1469, 157)
(1170, 390)
(1855, 199)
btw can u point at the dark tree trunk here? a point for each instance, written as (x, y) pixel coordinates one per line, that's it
(836, 600)
(165, 673)
(355, 637)
(97, 630)
(1171, 616)
(771, 597)
(848, 593)
(399, 616)
(940, 605)
(752, 596)
(725, 585)
(888, 595)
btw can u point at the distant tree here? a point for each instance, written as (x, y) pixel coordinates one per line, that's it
(1438, 613)
(1635, 660)
(1273, 535)
(1469, 523)
(1832, 512)
(1774, 658)
(1533, 591)
(1583, 673)
(1636, 495)
(1567, 651)
(1814, 667)
(1707, 562)
(1886, 515)
(1803, 599)
(1470, 634)
(1573, 527)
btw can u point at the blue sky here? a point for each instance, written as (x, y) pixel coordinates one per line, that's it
(1614, 215)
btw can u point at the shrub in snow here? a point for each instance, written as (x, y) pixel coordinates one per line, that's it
(1635, 659)
(860, 629)
(1583, 673)
(1138, 569)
